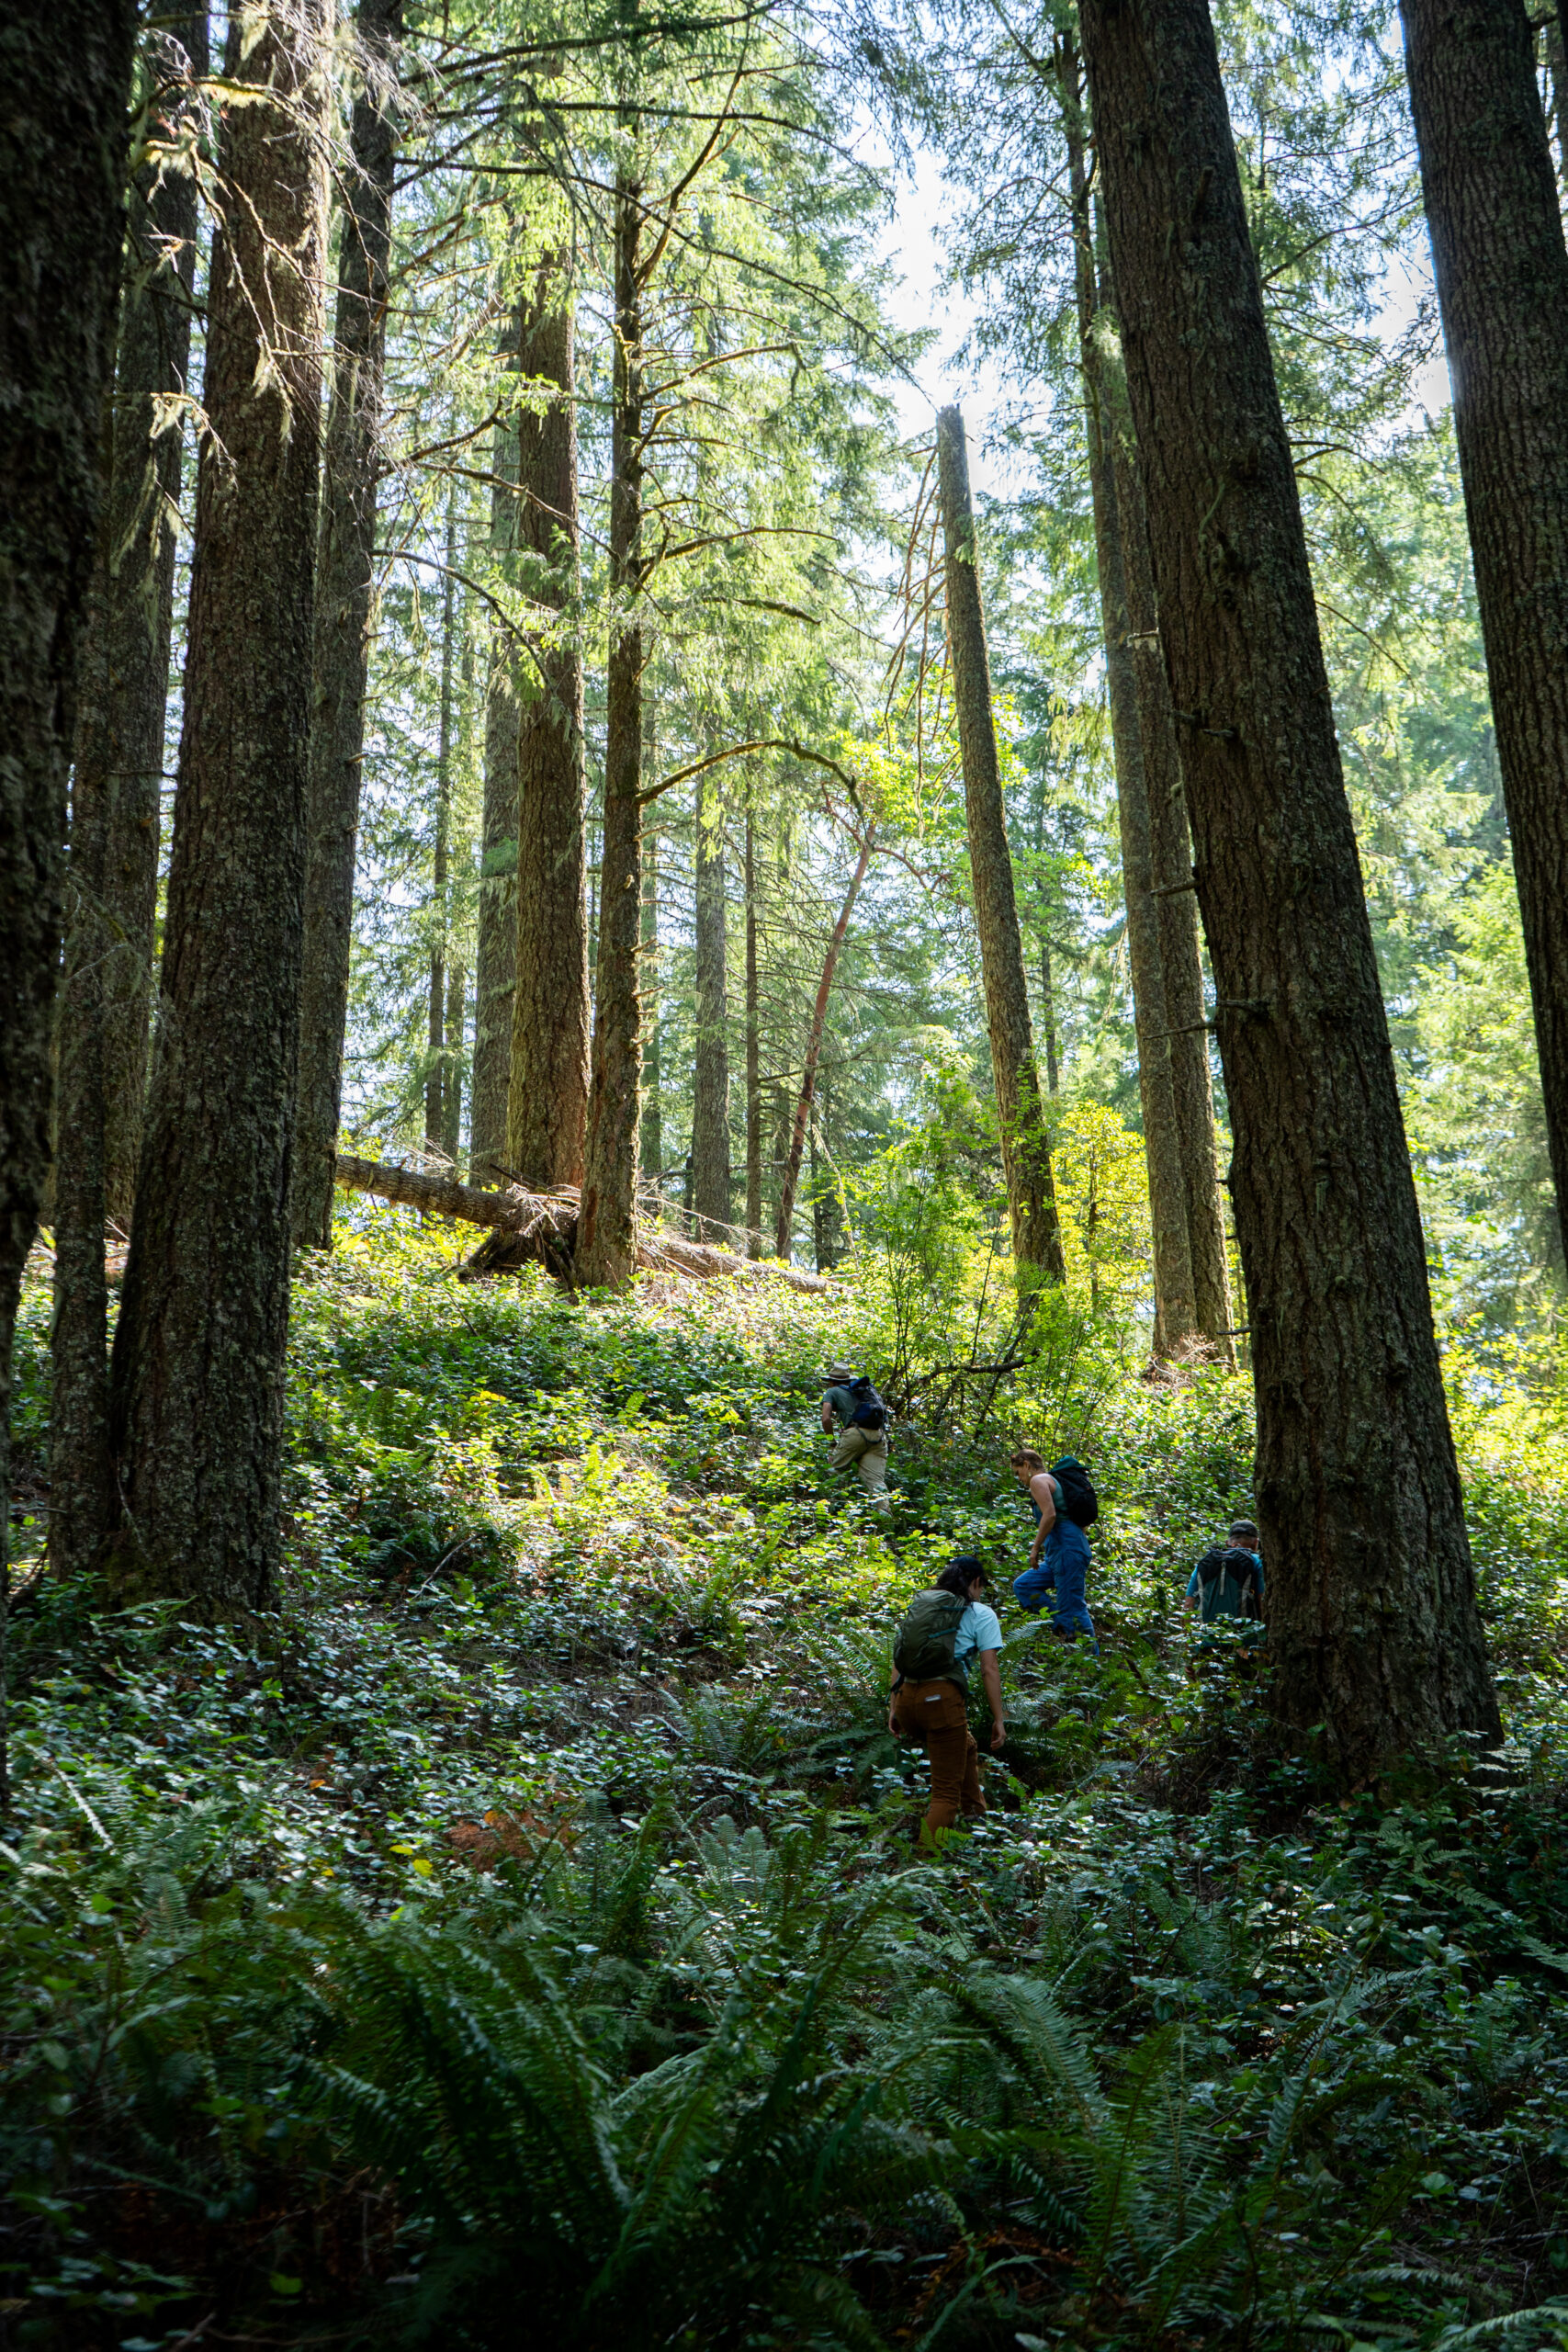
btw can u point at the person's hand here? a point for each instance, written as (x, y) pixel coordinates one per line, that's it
(998, 1732)
(893, 1721)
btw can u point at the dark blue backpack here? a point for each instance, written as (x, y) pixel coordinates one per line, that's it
(1079, 1501)
(869, 1411)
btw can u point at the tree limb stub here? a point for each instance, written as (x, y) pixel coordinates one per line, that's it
(541, 1228)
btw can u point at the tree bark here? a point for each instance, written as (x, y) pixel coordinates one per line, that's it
(1047, 985)
(1026, 1148)
(199, 1350)
(340, 653)
(1557, 74)
(651, 1136)
(1176, 1310)
(119, 738)
(606, 1233)
(1373, 1623)
(710, 1088)
(63, 152)
(791, 1176)
(112, 872)
(1170, 864)
(495, 960)
(548, 1099)
(436, 1009)
(753, 1056)
(1502, 273)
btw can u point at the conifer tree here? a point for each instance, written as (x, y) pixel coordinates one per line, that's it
(199, 1347)
(1372, 1623)
(1501, 272)
(1026, 1150)
(63, 151)
(346, 560)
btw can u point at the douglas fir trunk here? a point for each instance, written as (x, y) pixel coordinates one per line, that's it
(1170, 862)
(124, 703)
(606, 1231)
(547, 1095)
(340, 661)
(199, 1357)
(1026, 1148)
(1372, 1621)
(495, 955)
(117, 779)
(710, 1090)
(66, 76)
(1176, 1307)
(1501, 272)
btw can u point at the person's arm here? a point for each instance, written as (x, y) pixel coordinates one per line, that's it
(827, 1416)
(892, 1703)
(990, 1675)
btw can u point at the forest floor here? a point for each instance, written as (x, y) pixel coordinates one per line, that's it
(519, 1937)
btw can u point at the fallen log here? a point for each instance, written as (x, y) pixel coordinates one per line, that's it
(540, 1229)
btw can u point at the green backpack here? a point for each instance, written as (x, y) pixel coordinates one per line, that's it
(923, 1649)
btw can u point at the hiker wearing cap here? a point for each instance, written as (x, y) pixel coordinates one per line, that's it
(1063, 1503)
(852, 1406)
(1225, 1590)
(941, 1632)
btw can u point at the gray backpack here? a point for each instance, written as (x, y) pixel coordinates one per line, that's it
(926, 1639)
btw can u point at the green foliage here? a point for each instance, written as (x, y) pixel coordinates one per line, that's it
(530, 1910)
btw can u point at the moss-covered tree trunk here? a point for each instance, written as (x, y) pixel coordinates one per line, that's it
(548, 1087)
(1373, 1623)
(63, 151)
(1501, 272)
(754, 1056)
(199, 1350)
(339, 656)
(1026, 1146)
(606, 1230)
(440, 876)
(710, 1077)
(495, 955)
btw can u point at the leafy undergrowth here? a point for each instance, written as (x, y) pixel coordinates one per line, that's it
(520, 1933)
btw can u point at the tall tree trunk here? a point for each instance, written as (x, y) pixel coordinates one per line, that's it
(63, 152)
(606, 1230)
(452, 1077)
(199, 1350)
(710, 1089)
(1170, 862)
(495, 959)
(118, 779)
(827, 1201)
(435, 1010)
(1373, 1623)
(340, 652)
(651, 1119)
(1176, 1307)
(120, 740)
(791, 1176)
(1047, 987)
(1501, 272)
(547, 1098)
(1026, 1147)
(753, 1056)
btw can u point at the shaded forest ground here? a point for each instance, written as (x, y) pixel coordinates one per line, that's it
(520, 1933)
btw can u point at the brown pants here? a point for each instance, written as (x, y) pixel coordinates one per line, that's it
(939, 1713)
